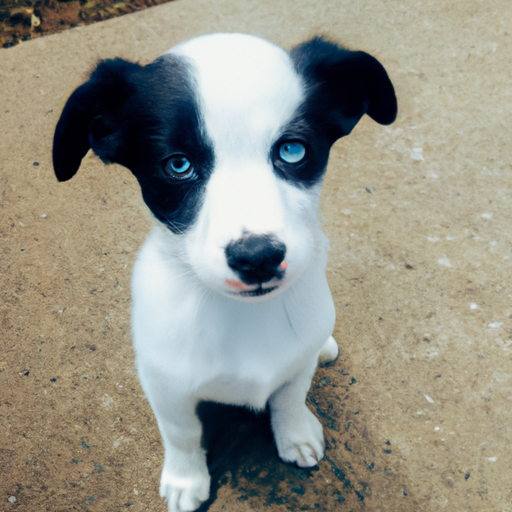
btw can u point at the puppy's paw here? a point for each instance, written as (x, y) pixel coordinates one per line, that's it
(184, 494)
(328, 353)
(300, 440)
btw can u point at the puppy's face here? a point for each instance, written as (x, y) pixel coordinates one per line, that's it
(228, 136)
(255, 223)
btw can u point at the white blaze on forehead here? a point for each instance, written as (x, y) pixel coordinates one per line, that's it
(245, 200)
(247, 88)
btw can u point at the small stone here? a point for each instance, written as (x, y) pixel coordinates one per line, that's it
(445, 262)
(12, 499)
(417, 154)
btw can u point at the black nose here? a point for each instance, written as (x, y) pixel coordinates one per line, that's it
(256, 259)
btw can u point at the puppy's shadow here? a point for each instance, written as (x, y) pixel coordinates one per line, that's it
(242, 454)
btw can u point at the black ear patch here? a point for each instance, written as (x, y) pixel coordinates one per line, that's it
(139, 116)
(342, 86)
(88, 118)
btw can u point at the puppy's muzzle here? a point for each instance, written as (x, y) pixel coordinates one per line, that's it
(257, 259)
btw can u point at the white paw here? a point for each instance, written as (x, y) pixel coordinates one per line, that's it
(328, 353)
(184, 494)
(300, 439)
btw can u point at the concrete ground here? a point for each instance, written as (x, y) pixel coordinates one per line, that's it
(417, 411)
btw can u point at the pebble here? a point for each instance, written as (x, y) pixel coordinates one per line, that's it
(445, 262)
(417, 154)
(12, 499)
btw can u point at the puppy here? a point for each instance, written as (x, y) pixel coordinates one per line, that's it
(228, 136)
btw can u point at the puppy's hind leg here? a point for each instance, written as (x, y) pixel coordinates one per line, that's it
(328, 353)
(297, 432)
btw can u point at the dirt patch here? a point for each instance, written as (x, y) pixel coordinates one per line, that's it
(21, 20)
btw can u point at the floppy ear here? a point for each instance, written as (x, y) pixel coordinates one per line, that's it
(92, 118)
(343, 85)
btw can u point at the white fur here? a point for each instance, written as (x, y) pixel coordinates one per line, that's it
(194, 340)
(246, 99)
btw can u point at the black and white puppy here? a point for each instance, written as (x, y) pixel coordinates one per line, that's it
(228, 136)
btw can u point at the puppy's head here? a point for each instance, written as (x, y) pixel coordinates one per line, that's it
(228, 136)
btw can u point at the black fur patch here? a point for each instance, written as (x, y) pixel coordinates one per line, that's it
(341, 86)
(138, 116)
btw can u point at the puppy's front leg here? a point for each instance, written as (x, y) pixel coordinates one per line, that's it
(297, 432)
(185, 482)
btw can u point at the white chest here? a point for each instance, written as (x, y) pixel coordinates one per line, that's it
(223, 349)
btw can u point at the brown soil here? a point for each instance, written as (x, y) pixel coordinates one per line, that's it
(21, 20)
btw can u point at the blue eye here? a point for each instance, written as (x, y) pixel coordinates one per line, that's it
(292, 152)
(179, 166)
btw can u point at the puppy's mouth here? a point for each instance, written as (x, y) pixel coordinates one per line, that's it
(239, 289)
(258, 292)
